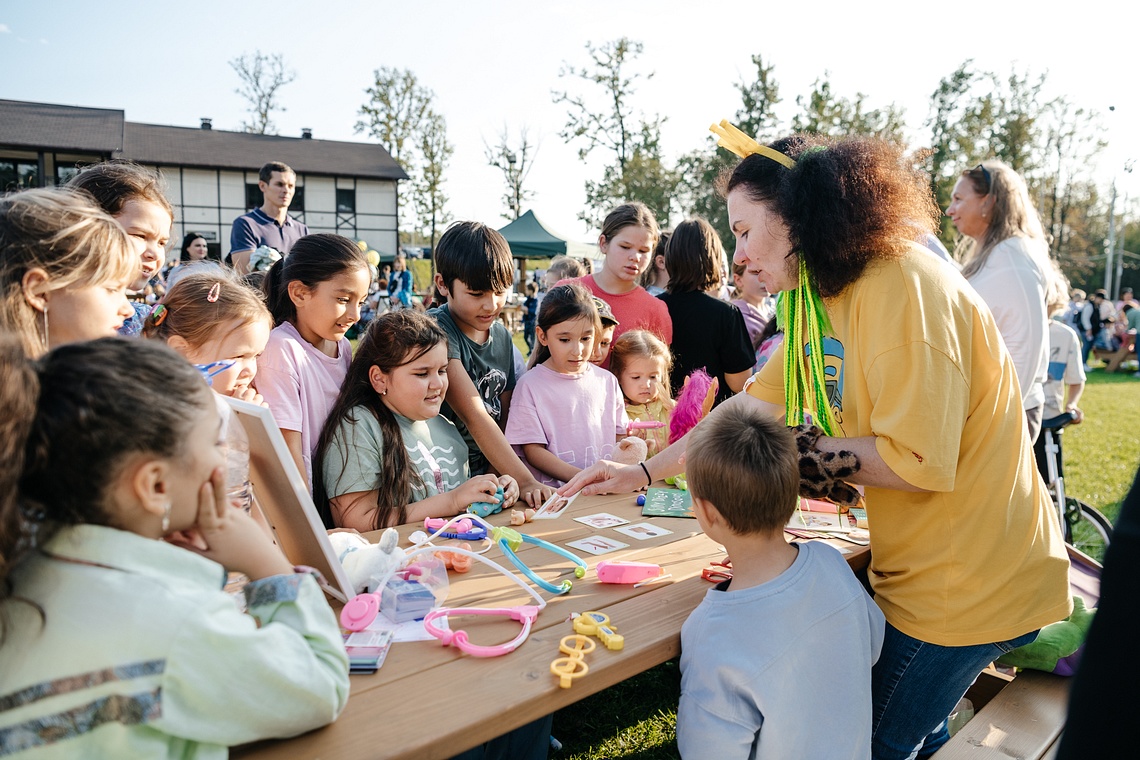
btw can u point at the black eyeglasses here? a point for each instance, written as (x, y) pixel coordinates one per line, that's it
(986, 176)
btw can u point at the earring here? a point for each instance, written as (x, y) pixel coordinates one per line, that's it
(166, 516)
(47, 340)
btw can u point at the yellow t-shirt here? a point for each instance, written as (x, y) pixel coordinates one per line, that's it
(655, 439)
(916, 361)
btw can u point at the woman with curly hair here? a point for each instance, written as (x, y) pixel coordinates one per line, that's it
(914, 397)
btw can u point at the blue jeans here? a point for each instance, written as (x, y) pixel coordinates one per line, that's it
(529, 742)
(915, 686)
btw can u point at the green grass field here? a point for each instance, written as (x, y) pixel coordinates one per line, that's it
(637, 719)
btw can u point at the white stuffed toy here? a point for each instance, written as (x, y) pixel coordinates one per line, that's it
(365, 563)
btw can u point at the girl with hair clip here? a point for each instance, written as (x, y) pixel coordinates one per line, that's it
(566, 413)
(708, 333)
(641, 363)
(133, 195)
(114, 641)
(212, 317)
(64, 269)
(386, 455)
(1006, 259)
(314, 294)
(628, 236)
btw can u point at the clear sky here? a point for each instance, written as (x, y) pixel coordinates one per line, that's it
(495, 63)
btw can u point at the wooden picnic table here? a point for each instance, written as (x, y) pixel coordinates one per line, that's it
(430, 701)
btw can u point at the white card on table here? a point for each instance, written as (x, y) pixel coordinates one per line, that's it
(602, 520)
(554, 507)
(597, 545)
(642, 531)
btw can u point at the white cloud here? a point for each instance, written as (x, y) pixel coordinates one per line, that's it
(4, 29)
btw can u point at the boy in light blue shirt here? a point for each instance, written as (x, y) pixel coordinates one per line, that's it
(775, 662)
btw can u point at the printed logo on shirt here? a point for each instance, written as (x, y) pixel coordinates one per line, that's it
(491, 387)
(832, 370)
(438, 459)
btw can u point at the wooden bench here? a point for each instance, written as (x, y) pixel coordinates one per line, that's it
(1113, 359)
(1015, 717)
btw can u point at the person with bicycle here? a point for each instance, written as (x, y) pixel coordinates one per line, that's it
(913, 396)
(1066, 371)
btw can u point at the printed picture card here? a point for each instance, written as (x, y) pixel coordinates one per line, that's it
(602, 520)
(643, 531)
(554, 507)
(597, 545)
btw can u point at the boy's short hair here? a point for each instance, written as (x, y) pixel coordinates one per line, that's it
(745, 464)
(475, 254)
(531, 288)
(266, 173)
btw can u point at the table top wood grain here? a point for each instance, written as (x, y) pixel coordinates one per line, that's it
(430, 701)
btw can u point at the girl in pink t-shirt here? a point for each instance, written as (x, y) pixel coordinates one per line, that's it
(629, 233)
(566, 413)
(315, 294)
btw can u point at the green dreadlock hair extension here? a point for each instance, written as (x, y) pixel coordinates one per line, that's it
(800, 311)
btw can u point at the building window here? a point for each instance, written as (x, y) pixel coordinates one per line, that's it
(64, 173)
(18, 175)
(253, 197)
(345, 200)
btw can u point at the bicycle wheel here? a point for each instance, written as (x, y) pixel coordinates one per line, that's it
(1087, 530)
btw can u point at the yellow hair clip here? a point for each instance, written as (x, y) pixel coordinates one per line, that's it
(732, 139)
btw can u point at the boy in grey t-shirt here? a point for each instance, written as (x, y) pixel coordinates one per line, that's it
(474, 271)
(792, 635)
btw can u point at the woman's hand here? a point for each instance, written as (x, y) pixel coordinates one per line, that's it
(510, 490)
(230, 536)
(605, 477)
(479, 488)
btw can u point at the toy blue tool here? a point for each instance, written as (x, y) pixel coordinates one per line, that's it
(509, 541)
(485, 508)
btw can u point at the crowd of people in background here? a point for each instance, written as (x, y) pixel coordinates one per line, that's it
(399, 403)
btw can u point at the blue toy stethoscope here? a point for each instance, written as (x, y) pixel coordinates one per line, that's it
(509, 541)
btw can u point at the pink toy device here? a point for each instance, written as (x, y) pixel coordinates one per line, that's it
(616, 571)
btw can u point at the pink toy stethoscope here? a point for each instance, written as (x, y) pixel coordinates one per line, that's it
(362, 609)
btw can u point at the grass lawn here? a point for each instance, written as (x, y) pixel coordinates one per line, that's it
(637, 718)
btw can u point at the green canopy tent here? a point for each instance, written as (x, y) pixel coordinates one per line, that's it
(529, 238)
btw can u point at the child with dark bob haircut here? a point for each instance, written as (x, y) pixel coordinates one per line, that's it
(792, 633)
(707, 332)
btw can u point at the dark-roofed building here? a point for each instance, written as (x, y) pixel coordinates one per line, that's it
(348, 188)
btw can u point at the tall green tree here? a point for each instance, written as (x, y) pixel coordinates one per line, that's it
(261, 75)
(396, 107)
(823, 112)
(603, 117)
(515, 159)
(430, 201)
(699, 170)
(644, 177)
(399, 114)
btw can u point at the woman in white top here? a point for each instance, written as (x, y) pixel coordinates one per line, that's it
(1006, 261)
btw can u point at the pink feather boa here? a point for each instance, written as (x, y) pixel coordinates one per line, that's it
(690, 404)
